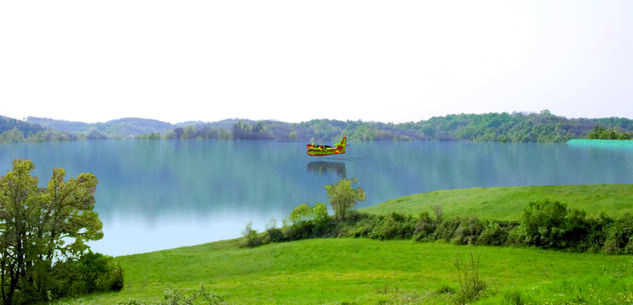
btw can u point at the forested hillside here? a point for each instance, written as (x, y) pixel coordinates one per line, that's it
(121, 128)
(499, 127)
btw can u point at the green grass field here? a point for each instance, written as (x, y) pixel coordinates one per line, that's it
(363, 271)
(506, 203)
(332, 271)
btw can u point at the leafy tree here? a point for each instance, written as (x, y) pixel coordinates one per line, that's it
(40, 226)
(343, 197)
(12, 136)
(304, 212)
(600, 132)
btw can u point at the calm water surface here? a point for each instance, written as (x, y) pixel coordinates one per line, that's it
(156, 195)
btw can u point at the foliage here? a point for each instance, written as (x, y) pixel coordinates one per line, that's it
(545, 224)
(16, 135)
(39, 227)
(468, 231)
(619, 236)
(201, 296)
(500, 127)
(602, 133)
(493, 234)
(304, 213)
(26, 128)
(92, 272)
(470, 283)
(251, 238)
(343, 197)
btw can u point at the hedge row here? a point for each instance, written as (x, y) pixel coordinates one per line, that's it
(545, 224)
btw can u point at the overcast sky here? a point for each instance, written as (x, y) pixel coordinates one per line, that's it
(389, 61)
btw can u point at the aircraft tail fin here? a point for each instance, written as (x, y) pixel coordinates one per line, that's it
(341, 145)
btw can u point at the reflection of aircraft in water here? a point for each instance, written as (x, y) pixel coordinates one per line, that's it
(325, 150)
(322, 167)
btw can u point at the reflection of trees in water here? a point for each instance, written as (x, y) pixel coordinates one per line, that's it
(324, 168)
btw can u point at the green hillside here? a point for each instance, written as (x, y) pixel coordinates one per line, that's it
(364, 271)
(506, 203)
(361, 271)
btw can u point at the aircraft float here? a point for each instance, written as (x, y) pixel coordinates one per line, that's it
(325, 150)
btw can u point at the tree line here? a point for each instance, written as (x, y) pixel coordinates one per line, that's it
(489, 127)
(545, 224)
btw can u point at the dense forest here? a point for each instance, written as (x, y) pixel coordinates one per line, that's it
(490, 127)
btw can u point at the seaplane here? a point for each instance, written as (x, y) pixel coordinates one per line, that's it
(326, 150)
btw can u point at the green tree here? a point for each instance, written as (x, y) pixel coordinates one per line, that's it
(12, 136)
(40, 226)
(304, 212)
(343, 197)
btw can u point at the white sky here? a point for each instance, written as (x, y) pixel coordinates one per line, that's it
(294, 60)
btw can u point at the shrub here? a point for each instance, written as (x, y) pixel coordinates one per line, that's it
(493, 234)
(468, 231)
(619, 236)
(273, 235)
(251, 238)
(304, 213)
(470, 283)
(424, 228)
(446, 229)
(394, 226)
(201, 296)
(92, 272)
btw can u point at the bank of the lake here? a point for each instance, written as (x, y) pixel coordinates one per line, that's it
(362, 271)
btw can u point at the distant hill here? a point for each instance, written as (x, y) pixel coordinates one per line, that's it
(27, 128)
(121, 128)
(489, 127)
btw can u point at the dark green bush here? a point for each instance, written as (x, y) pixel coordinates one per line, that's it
(394, 226)
(493, 234)
(446, 229)
(619, 236)
(92, 272)
(362, 228)
(468, 231)
(250, 237)
(549, 224)
(273, 235)
(424, 227)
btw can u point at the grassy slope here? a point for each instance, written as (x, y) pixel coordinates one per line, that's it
(506, 203)
(336, 270)
(368, 271)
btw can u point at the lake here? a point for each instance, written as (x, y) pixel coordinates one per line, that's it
(155, 195)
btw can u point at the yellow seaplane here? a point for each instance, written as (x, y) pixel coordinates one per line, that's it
(325, 150)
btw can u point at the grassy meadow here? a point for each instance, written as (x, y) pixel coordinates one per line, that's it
(506, 203)
(364, 271)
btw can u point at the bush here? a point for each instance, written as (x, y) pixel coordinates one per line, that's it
(470, 283)
(424, 228)
(92, 272)
(619, 236)
(201, 296)
(251, 238)
(446, 229)
(493, 234)
(273, 235)
(468, 231)
(394, 226)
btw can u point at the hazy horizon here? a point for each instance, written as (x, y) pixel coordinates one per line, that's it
(244, 118)
(293, 61)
